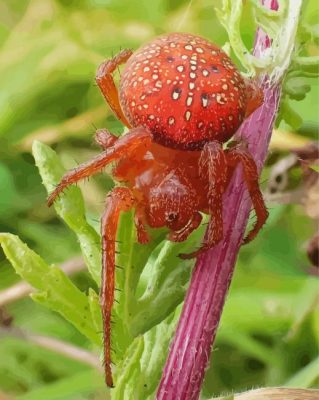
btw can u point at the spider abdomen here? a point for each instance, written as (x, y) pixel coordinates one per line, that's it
(185, 90)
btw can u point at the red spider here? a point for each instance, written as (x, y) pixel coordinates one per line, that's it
(181, 98)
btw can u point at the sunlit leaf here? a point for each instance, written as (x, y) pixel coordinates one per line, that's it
(55, 290)
(69, 206)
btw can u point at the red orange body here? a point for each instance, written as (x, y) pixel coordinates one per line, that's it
(186, 90)
(182, 98)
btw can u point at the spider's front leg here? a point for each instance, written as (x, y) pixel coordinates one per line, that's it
(241, 155)
(213, 165)
(120, 199)
(105, 81)
(136, 142)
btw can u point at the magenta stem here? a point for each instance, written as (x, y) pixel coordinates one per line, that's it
(191, 348)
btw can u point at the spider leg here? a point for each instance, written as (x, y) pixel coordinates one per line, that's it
(139, 220)
(255, 96)
(105, 81)
(213, 163)
(136, 142)
(120, 199)
(182, 234)
(241, 155)
(104, 138)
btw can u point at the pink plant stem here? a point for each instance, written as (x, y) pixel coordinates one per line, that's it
(190, 351)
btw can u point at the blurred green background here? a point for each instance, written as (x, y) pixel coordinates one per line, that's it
(49, 52)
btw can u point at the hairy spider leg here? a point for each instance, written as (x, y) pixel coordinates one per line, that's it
(105, 81)
(140, 222)
(239, 155)
(104, 138)
(120, 199)
(255, 96)
(136, 141)
(213, 163)
(182, 234)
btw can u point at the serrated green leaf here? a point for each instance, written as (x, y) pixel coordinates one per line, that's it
(156, 346)
(69, 206)
(56, 291)
(167, 280)
(29, 265)
(130, 261)
(142, 365)
(139, 308)
(151, 281)
(128, 371)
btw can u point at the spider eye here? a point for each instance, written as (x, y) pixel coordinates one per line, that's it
(172, 216)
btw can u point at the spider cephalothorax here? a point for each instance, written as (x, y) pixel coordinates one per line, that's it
(181, 98)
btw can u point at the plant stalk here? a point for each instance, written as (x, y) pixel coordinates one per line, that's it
(190, 351)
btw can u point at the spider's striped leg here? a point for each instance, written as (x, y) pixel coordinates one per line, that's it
(105, 81)
(136, 142)
(240, 155)
(120, 199)
(213, 165)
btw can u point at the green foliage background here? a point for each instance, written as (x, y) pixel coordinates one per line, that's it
(48, 56)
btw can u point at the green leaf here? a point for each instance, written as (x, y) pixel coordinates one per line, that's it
(130, 262)
(55, 289)
(250, 346)
(289, 115)
(7, 190)
(308, 64)
(297, 88)
(151, 284)
(70, 207)
(68, 388)
(95, 310)
(306, 376)
(128, 371)
(151, 280)
(307, 301)
(167, 278)
(141, 368)
(281, 26)
(229, 15)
